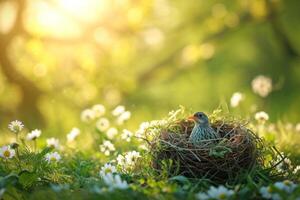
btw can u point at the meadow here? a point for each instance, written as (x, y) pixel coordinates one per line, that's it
(99, 99)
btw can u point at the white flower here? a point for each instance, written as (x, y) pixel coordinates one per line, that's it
(99, 110)
(118, 110)
(219, 193)
(107, 169)
(87, 115)
(296, 170)
(123, 117)
(236, 98)
(6, 152)
(289, 126)
(126, 135)
(121, 160)
(268, 193)
(143, 127)
(107, 147)
(102, 124)
(73, 134)
(52, 157)
(33, 135)
(262, 85)
(261, 116)
(297, 127)
(287, 186)
(131, 157)
(115, 182)
(53, 142)
(284, 165)
(16, 126)
(111, 132)
(128, 160)
(202, 196)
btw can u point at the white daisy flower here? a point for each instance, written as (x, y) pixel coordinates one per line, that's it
(262, 85)
(16, 126)
(73, 134)
(118, 110)
(236, 98)
(7, 152)
(220, 192)
(52, 157)
(261, 116)
(87, 115)
(297, 169)
(107, 147)
(143, 127)
(128, 160)
(102, 124)
(111, 133)
(99, 110)
(126, 135)
(115, 182)
(107, 169)
(131, 157)
(285, 165)
(268, 193)
(120, 160)
(287, 186)
(123, 117)
(202, 196)
(53, 142)
(289, 126)
(33, 135)
(297, 127)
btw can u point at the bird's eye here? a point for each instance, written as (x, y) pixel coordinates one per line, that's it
(200, 115)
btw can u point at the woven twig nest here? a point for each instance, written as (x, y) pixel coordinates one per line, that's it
(238, 150)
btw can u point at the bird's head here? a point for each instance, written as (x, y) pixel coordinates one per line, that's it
(200, 118)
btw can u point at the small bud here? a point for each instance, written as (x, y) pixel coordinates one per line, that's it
(14, 145)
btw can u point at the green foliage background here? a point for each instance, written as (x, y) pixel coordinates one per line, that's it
(150, 55)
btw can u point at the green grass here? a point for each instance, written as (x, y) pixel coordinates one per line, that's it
(28, 175)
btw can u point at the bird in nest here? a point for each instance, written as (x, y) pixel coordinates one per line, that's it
(202, 130)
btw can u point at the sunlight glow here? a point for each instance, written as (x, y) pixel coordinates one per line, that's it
(86, 10)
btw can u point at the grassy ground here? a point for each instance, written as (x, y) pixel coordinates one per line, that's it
(99, 162)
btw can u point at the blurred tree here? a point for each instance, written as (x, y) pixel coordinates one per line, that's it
(68, 54)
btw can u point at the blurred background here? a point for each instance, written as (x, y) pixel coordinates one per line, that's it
(59, 57)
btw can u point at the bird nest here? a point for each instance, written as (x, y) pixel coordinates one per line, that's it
(238, 150)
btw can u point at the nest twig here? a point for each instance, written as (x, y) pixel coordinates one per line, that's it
(239, 149)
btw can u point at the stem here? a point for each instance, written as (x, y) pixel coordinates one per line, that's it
(34, 145)
(6, 165)
(17, 137)
(18, 158)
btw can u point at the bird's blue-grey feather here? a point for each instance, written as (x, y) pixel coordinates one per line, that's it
(199, 134)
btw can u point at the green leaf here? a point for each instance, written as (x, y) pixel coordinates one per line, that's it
(27, 179)
(219, 151)
(180, 179)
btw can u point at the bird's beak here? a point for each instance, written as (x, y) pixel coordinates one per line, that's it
(192, 118)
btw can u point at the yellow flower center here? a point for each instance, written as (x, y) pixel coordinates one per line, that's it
(53, 159)
(6, 154)
(270, 190)
(286, 182)
(222, 196)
